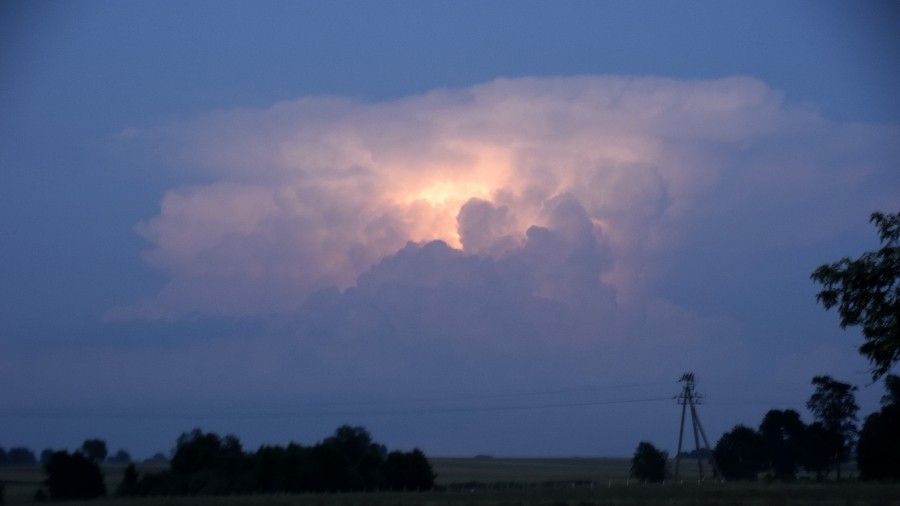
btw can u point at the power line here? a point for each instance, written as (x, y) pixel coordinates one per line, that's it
(500, 395)
(303, 413)
(414, 406)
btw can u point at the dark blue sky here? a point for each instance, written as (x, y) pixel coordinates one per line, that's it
(191, 192)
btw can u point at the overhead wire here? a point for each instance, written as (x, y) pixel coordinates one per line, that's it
(378, 407)
(414, 406)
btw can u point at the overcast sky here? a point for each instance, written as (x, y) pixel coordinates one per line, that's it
(472, 227)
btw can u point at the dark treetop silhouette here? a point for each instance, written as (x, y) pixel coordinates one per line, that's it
(866, 292)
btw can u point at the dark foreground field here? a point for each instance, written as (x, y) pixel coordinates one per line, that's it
(524, 482)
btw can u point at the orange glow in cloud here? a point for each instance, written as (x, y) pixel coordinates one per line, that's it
(433, 195)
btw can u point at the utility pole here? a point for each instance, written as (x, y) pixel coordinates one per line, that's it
(689, 398)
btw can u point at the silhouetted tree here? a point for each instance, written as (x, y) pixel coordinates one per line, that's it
(648, 463)
(94, 449)
(157, 483)
(878, 449)
(45, 455)
(350, 459)
(892, 385)
(833, 404)
(206, 464)
(866, 292)
(73, 477)
(120, 457)
(408, 471)
(20, 456)
(157, 457)
(783, 433)
(741, 454)
(818, 449)
(128, 487)
(268, 470)
(278, 469)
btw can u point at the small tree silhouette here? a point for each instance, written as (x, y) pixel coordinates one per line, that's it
(834, 405)
(95, 449)
(648, 463)
(741, 454)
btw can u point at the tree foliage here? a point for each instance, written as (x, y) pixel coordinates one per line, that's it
(892, 385)
(408, 471)
(204, 463)
(866, 292)
(649, 463)
(878, 449)
(818, 450)
(17, 456)
(121, 457)
(783, 433)
(128, 487)
(95, 449)
(741, 454)
(352, 460)
(349, 460)
(833, 404)
(73, 476)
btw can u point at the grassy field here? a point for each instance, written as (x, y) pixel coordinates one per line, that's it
(523, 482)
(528, 471)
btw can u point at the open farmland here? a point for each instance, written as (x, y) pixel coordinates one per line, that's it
(452, 471)
(525, 482)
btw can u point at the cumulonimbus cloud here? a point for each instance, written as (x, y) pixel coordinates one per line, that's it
(584, 180)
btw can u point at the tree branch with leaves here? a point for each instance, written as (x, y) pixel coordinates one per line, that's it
(866, 292)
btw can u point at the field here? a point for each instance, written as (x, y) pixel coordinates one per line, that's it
(523, 482)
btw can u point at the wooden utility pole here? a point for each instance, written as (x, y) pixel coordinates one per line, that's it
(689, 398)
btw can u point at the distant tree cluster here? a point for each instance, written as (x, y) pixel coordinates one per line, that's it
(784, 444)
(207, 464)
(17, 456)
(866, 293)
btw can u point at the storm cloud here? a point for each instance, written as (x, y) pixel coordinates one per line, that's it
(518, 234)
(583, 183)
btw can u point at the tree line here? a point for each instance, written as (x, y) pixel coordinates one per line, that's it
(95, 449)
(783, 444)
(866, 293)
(204, 463)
